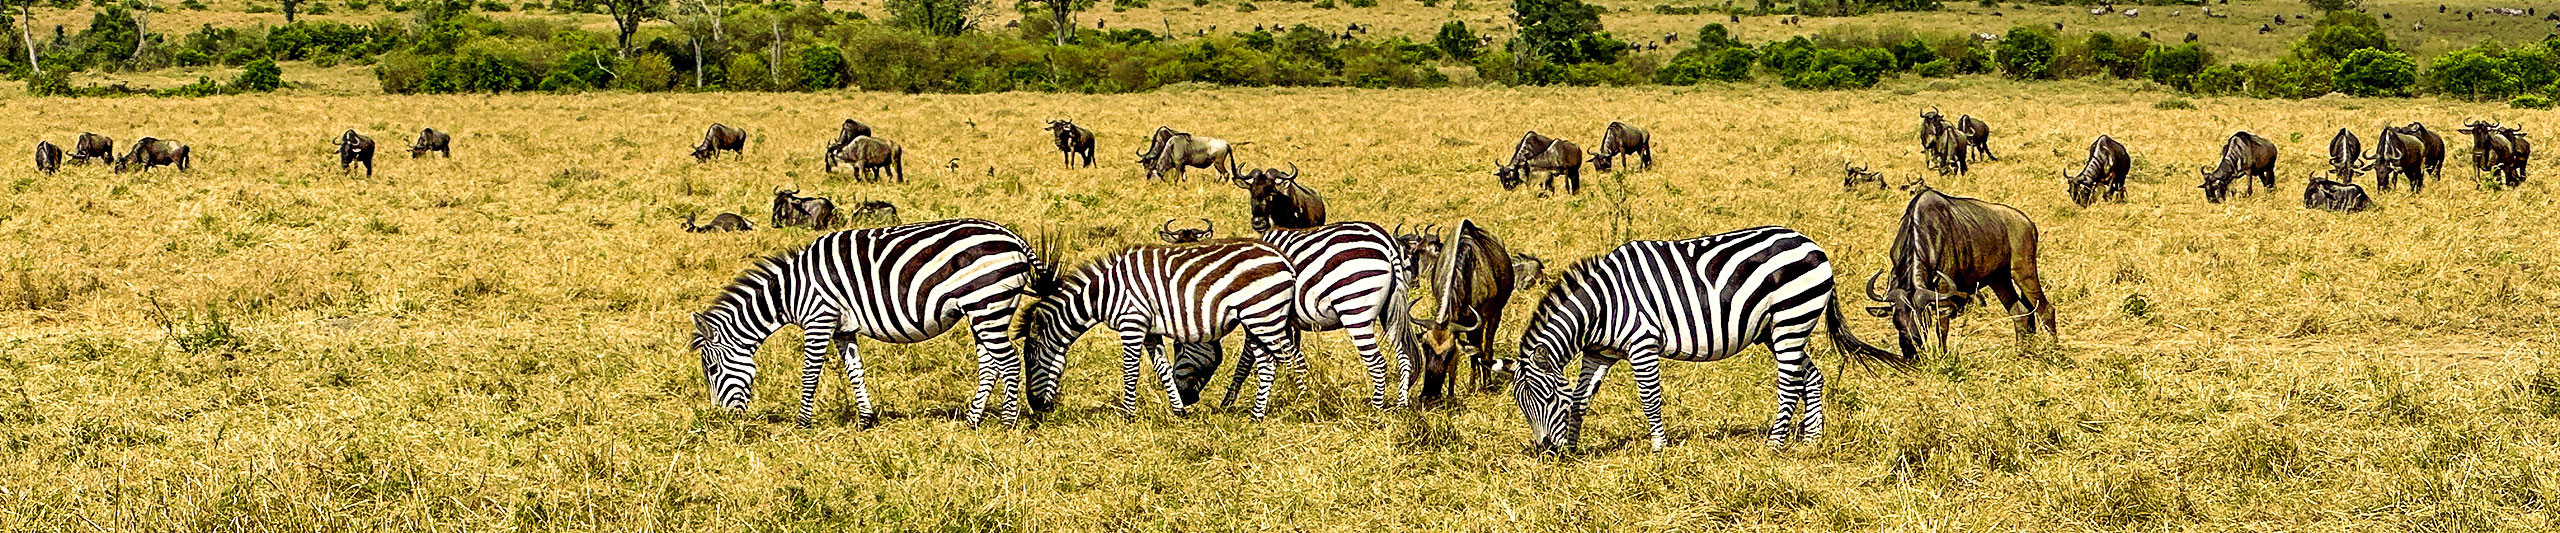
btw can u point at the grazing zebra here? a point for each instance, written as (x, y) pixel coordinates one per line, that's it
(1700, 299)
(1351, 276)
(1155, 295)
(899, 284)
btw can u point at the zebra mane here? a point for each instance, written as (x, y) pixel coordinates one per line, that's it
(766, 272)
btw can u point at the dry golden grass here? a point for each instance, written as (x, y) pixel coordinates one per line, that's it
(498, 340)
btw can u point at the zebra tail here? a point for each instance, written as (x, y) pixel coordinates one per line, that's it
(1398, 318)
(1852, 349)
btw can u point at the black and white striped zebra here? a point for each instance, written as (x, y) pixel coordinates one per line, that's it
(900, 284)
(1157, 295)
(1700, 299)
(1351, 276)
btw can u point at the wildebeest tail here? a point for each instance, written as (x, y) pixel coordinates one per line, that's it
(1397, 318)
(1852, 349)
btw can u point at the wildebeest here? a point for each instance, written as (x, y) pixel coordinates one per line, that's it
(48, 157)
(2329, 195)
(2243, 155)
(1472, 282)
(2433, 159)
(1072, 141)
(872, 156)
(355, 148)
(1207, 231)
(1175, 152)
(1857, 175)
(2346, 153)
(1948, 154)
(2102, 175)
(1551, 156)
(846, 133)
(430, 140)
(871, 209)
(1620, 141)
(2494, 149)
(1279, 201)
(1975, 133)
(720, 137)
(1527, 271)
(1948, 250)
(791, 209)
(150, 152)
(2397, 154)
(93, 146)
(723, 222)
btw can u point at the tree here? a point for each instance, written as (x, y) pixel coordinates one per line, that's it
(26, 34)
(2341, 33)
(627, 16)
(2026, 53)
(291, 7)
(707, 14)
(2370, 72)
(2331, 5)
(1456, 41)
(1563, 32)
(1058, 11)
(937, 17)
(2178, 66)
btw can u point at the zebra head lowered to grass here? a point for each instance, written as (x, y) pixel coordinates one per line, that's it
(1701, 299)
(900, 284)
(1154, 295)
(1351, 276)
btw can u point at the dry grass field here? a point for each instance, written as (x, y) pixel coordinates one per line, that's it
(497, 341)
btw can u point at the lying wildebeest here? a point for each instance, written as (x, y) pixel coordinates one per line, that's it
(2102, 175)
(2494, 149)
(1975, 133)
(2433, 159)
(2244, 155)
(430, 140)
(93, 146)
(2329, 195)
(791, 209)
(1072, 141)
(1858, 174)
(48, 157)
(355, 148)
(1176, 152)
(2346, 154)
(2397, 154)
(845, 134)
(150, 152)
(1527, 271)
(720, 137)
(1473, 281)
(872, 156)
(874, 209)
(1620, 141)
(1542, 154)
(1948, 250)
(1208, 231)
(1279, 201)
(723, 222)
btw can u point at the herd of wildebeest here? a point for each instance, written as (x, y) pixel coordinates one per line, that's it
(1946, 252)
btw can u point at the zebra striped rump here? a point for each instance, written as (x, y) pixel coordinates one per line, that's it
(1156, 295)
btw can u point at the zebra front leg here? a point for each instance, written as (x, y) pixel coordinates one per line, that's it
(813, 363)
(1646, 363)
(1595, 368)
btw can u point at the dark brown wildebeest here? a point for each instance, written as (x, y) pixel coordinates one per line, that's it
(1474, 280)
(723, 222)
(2433, 159)
(2494, 149)
(2327, 195)
(2397, 154)
(1172, 152)
(1949, 155)
(1279, 201)
(430, 140)
(2346, 154)
(93, 146)
(1948, 250)
(2243, 155)
(2102, 175)
(150, 152)
(2523, 154)
(1209, 230)
(1975, 133)
(846, 133)
(1550, 156)
(1072, 141)
(791, 209)
(872, 156)
(1858, 174)
(355, 148)
(48, 157)
(1620, 141)
(720, 137)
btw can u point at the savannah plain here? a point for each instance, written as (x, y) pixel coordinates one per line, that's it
(498, 341)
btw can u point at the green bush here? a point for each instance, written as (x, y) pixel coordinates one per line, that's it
(189, 57)
(2231, 78)
(1701, 64)
(647, 72)
(2292, 78)
(2177, 66)
(2104, 54)
(1942, 68)
(1323, 4)
(1911, 53)
(2473, 73)
(494, 6)
(2530, 101)
(2369, 72)
(1564, 32)
(822, 67)
(2340, 33)
(1456, 41)
(2534, 65)
(260, 76)
(192, 5)
(2026, 53)
(1362, 3)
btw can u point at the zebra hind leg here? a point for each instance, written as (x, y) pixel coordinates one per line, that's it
(995, 356)
(853, 373)
(1364, 337)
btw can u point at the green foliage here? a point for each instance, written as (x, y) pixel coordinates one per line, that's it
(1714, 35)
(2530, 101)
(822, 67)
(2341, 33)
(1911, 53)
(2177, 66)
(260, 76)
(1322, 4)
(1564, 32)
(2230, 78)
(1701, 64)
(1456, 41)
(2118, 58)
(1833, 68)
(2026, 53)
(2369, 72)
(1942, 68)
(646, 72)
(2292, 78)
(2331, 5)
(2474, 73)
(935, 17)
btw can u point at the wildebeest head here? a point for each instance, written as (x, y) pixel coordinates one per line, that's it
(1166, 232)
(1914, 308)
(1422, 247)
(1510, 176)
(1280, 201)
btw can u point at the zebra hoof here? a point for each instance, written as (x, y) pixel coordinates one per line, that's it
(867, 420)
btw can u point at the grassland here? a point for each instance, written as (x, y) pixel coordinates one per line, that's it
(497, 341)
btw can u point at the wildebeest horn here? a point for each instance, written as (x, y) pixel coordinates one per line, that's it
(1165, 231)
(1293, 171)
(1871, 287)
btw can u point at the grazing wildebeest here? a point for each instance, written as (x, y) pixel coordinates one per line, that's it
(1948, 250)
(1072, 141)
(1948, 154)
(1175, 152)
(2244, 155)
(723, 222)
(720, 137)
(846, 134)
(791, 209)
(48, 157)
(2102, 175)
(872, 156)
(2494, 150)
(1550, 156)
(2433, 159)
(93, 146)
(150, 152)
(1857, 175)
(2397, 154)
(1472, 282)
(1279, 201)
(430, 140)
(2346, 154)
(1208, 231)
(355, 148)
(1975, 133)
(1620, 141)
(2329, 195)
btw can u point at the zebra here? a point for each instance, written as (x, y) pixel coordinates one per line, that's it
(1701, 299)
(1154, 295)
(1351, 276)
(899, 284)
